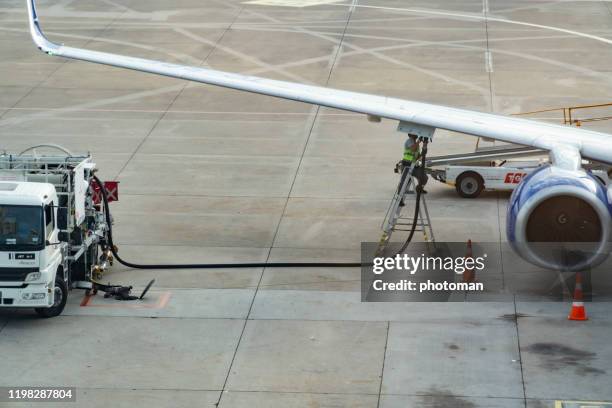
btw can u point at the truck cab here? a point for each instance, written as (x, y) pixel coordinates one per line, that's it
(31, 256)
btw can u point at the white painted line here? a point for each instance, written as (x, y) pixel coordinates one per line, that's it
(291, 3)
(483, 91)
(186, 58)
(356, 51)
(241, 55)
(488, 61)
(480, 17)
(331, 61)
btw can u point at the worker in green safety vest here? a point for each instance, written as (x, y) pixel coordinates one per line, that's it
(412, 152)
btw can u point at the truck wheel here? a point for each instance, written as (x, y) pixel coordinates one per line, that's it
(59, 300)
(469, 184)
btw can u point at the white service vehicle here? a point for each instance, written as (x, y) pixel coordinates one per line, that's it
(470, 179)
(52, 231)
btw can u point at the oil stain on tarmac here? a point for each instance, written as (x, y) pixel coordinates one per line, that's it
(556, 356)
(438, 398)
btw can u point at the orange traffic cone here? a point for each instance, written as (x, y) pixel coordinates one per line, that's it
(578, 312)
(469, 275)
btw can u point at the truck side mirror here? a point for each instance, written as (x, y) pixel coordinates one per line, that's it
(62, 218)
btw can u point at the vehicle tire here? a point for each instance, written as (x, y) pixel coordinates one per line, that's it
(59, 300)
(469, 184)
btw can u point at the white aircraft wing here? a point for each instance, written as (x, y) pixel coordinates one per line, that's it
(565, 142)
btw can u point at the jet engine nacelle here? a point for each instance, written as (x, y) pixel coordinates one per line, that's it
(560, 219)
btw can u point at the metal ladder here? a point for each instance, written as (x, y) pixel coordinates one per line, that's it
(394, 221)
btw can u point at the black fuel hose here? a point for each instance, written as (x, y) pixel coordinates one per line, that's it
(210, 266)
(417, 204)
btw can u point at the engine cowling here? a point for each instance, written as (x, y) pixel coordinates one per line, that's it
(560, 219)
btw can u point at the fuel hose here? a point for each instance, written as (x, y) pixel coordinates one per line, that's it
(417, 204)
(113, 249)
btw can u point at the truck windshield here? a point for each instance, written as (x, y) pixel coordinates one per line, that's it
(21, 227)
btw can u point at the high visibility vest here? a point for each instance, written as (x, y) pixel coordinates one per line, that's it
(409, 155)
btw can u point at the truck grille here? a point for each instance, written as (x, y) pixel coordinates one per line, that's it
(15, 274)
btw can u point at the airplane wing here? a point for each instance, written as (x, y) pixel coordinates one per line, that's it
(566, 143)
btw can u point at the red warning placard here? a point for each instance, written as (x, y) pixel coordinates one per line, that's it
(112, 191)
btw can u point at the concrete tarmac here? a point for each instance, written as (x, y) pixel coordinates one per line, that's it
(213, 175)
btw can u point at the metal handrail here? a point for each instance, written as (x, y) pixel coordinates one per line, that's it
(568, 119)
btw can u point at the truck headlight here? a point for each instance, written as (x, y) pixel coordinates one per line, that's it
(32, 276)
